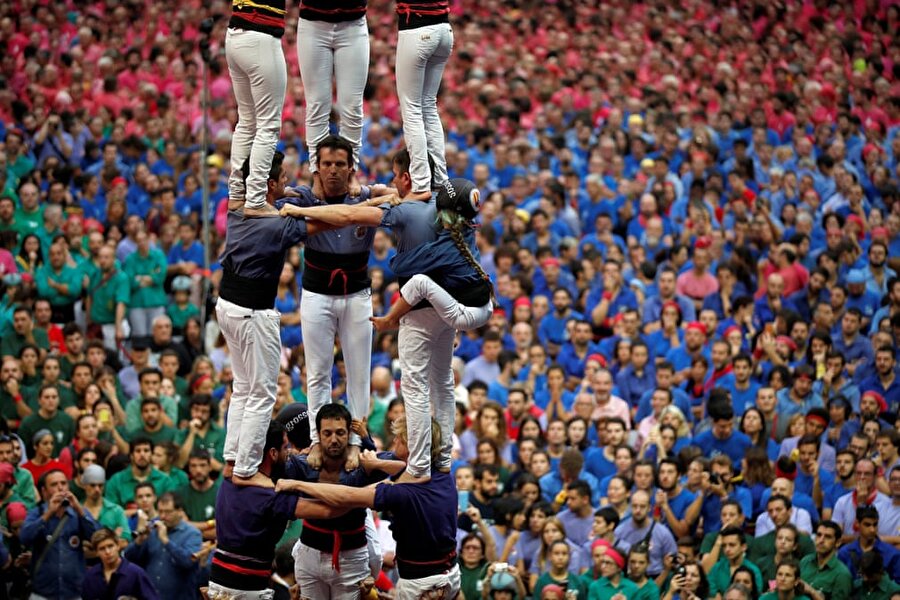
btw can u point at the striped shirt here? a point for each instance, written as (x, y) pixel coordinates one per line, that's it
(265, 16)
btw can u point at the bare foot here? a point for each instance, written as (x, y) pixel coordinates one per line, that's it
(318, 189)
(228, 471)
(314, 458)
(384, 323)
(426, 196)
(352, 458)
(354, 189)
(258, 480)
(266, 211)
(444, 469)
(408, 477)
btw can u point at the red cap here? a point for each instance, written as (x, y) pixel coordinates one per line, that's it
(869, 149)
(855, 219)
(7, 473)
(600, 542)
(671, 304)
(550, 261)
(791, 475)
(788, 341)
(817, 419)
(522, 301)
(880, 232)
(16, 511)
(499, 311)
(93, 225)
(598, 358)
(728, 331)
(615, 556)
(118, 181)
(698, 326)
(703, 243)
(882, 403)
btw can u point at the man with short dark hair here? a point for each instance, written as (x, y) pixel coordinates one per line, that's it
(120, 487)
(202, 432)
(867, 518)
(571, 468)
(578, 518)
(199, 495)
(672, 498)
(733, 546)
(114, 576)
(884, 380)
(722, 438)
(152, 425)
(24, 332)
(150, 380)
(823, 570)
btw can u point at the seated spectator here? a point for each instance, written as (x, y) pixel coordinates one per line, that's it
(874, 580)
(732, 544)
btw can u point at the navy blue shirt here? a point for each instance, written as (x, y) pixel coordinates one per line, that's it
(128, 580)
(257, 518)
(442, 260)
(256, 247)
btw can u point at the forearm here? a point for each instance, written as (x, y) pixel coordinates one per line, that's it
(120, 313)
(391, 467)
(710, 559)
(329, 493)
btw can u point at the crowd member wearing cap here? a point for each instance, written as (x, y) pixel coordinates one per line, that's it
(503, 583)
(609, 564)
(452, 259)
(104, 512)
(57, 566)
(181, 308)
(814, 424)
(146, 269)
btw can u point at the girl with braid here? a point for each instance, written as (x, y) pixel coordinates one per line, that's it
(446, 273)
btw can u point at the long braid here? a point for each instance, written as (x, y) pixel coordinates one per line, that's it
(455, 223)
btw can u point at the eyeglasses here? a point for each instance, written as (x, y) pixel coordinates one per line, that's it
(471, 547)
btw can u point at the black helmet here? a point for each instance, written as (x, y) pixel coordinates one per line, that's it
(295, 419)
(460, 195)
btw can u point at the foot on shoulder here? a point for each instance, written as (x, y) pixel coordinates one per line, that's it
(257, 480)
(352, 458)
(266, 211)
(408, 477)
(314, 458)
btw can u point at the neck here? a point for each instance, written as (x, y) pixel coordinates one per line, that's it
(93, 502)
(40, 459)
(558, 574)
(47, 414)
(112, 567)
(737, 561)
(140, 472)
(824, 558)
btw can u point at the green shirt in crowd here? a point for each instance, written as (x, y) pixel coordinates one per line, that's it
(71, 277)
(24, 488)
(883, 591)
(106, 292)
(603, 589)
(154, 266)
(213, 442)
(649, 591)
(113, 516)
(200, 506)
(160, 436)
(12, 342)
(60, 425)
(133, 411)
(764, 546)
(120, 487)
(571, 583)
(720, 576)
(833, 579)
(181, 314)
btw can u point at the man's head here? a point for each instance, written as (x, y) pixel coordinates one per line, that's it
(141, 452)
(517, 402)
(828, 534)
(150, 379)
(105, 543)
(276, 180)
(202, 408)
(145, 497)
(640, 507)
(22, 320)
(731, 514)
(667, 474)
(151, 410)
(734, 544)
(52, 482)
(487, 480)
(808, 452)
(199, 466)
(884, 361)
(335, 163)
(333, 424)
(779, 509)
(578, 497)
(887, 443)
(48, 399)
(171, 509)
(867, 523)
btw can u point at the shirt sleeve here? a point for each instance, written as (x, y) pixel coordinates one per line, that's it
(293, 232)
(284, 505)
(388, 497)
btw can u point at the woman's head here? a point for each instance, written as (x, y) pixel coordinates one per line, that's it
(536, 516)
(559, 555)
(786, 575)
(42, 443)
(576, 433)
(753, 422)
(617, 490)
(552, 531)
(744, 576)
(787, 539)
(540, 463)
(488, 453)
(490, 422)
(528, 488)
(472, 548)
(530, 427)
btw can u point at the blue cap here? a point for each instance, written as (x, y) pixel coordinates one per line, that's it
(856, 276)
(503, 581)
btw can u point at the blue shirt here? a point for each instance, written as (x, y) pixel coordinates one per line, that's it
(633, 386)
(255, 248)
(128, 580)
(351, 239)
(193, 253)
(653, 309)
(851, 553)
(413, 221)
(712, 508)
(170, 566)
(441, 260)
(740, 399)
(63, 568)
(553, 327)
(735, 447)
(551, 485)
(662, 542)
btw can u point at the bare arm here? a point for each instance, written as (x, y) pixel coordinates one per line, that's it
(310, 509)
(370, 462)
(330, 493)
(336, 214)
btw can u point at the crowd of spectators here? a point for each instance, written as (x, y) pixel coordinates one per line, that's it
(692, 219)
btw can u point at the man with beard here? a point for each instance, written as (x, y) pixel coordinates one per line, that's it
(426, 536)
(815, 291)
(845, 464)
(107, 300)
(877, 274)
(833, 383)
(252, 520)
(199, 495)
(672, 498)
(486, 485)
(120, 487)
(343, 537)
(694, 346)
(796, 399)
(823, 571)
(884, 381)
(202, 433)
(639, 527)
(769, 305)
(665, 282)
(152, 425)
(893, 306)
(740, 385)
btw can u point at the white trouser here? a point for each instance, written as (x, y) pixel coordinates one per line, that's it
(373, 546)
(342, 50)
(458, 316)
(259, 79)
(425, 343)
(141, 319)
(422, 54)
(109, 335)
(323, 317)
(444, 586)
(255, 348)
(220, 592)
(319, 581)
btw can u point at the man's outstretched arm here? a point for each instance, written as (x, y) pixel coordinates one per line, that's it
(330, 493)
(336, 214)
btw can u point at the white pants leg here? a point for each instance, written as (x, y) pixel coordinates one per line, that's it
(426, 348)
(438, 587)
(319, 581)
(254, 342)
(220, 592)
(323, 317)
(340, 50)
(458, 316)
(109, 335)
(259, 79)
(373, 546)
(422, 54)
(141, 319)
